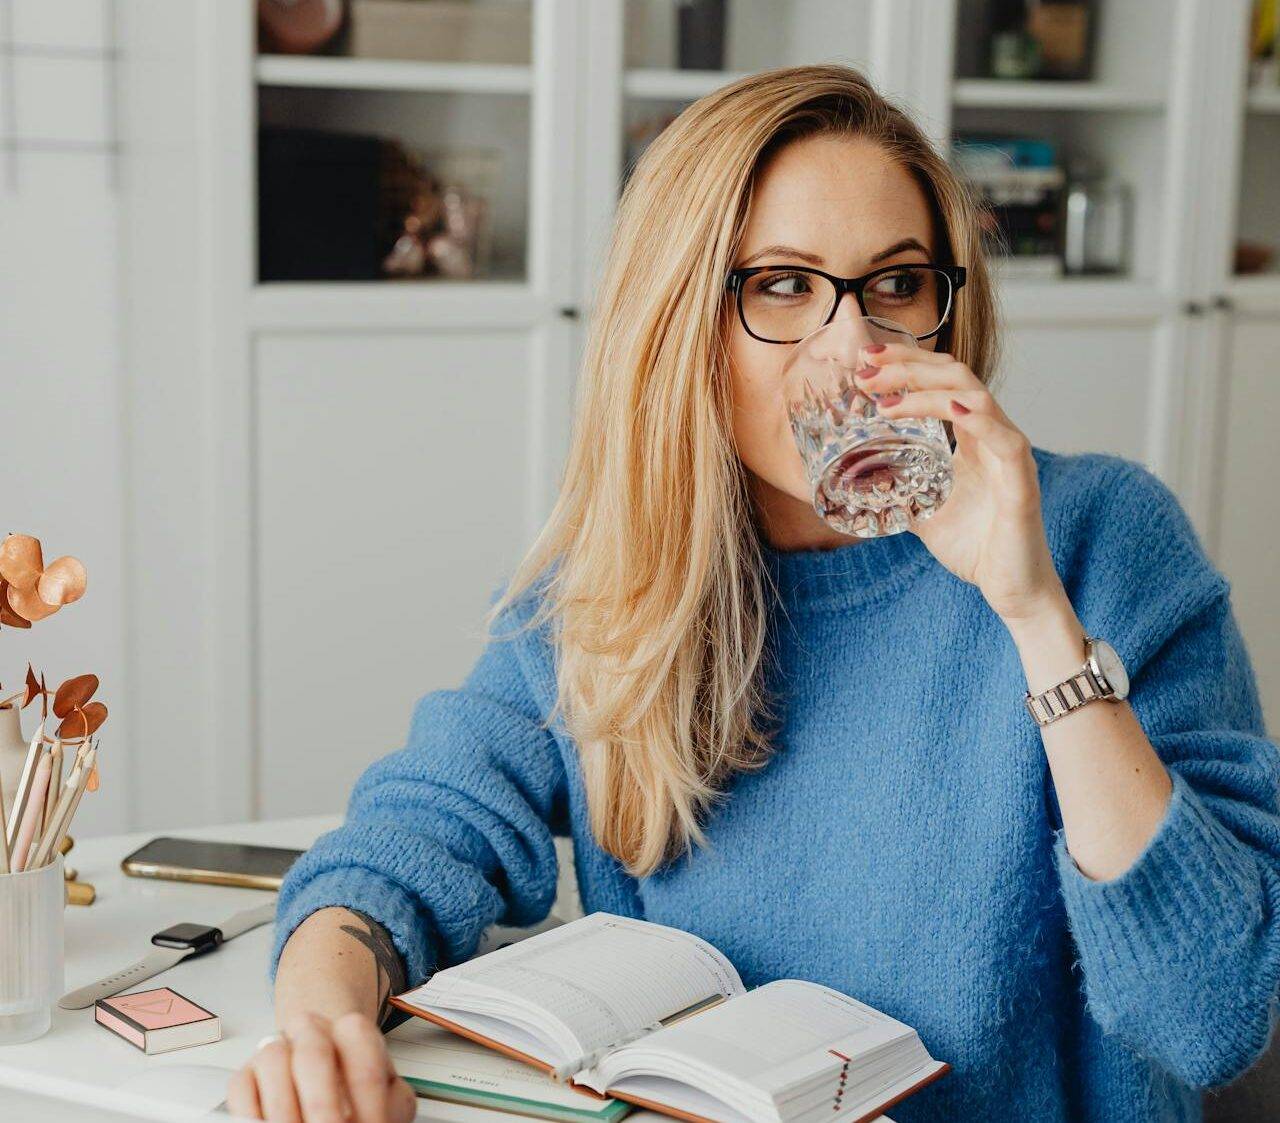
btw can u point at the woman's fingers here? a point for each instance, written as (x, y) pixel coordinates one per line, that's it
(918, 375)
(317, 1079)
(897, 352)
(366, 1067)
(273, 1076)
(1005, 440)
(403, 1104)
(937, 403)
(242, 1094)
(983, 420)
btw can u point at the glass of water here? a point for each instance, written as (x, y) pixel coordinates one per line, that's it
(871, 475)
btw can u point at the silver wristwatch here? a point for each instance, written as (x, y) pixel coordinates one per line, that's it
(173, 945)
(1102, 677)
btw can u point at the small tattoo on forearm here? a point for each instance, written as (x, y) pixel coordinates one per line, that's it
(389, 966)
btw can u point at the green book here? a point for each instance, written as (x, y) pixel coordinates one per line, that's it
(441, 1065)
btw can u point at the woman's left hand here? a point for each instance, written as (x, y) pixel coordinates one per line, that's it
(989, 531)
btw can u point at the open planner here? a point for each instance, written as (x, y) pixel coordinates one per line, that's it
(642, 1012)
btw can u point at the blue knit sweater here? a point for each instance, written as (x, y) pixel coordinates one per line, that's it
(904, 845)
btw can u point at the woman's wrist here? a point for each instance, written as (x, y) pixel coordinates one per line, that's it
(1050, 642)
(338, 961)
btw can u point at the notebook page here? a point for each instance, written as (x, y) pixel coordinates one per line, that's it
(774, 1037)
(604, 977)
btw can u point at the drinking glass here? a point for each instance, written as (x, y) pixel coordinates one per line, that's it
(871, 475)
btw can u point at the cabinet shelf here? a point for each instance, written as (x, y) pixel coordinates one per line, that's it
(1258, 293)
(1264, 99)
(322, 72)
(1078, 300)
(1000, 94)
(394, 305)
(659, 84)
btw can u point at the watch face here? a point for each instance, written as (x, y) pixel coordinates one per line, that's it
(187, 936)
(1112, 669)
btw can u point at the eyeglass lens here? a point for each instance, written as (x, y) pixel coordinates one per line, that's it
(783, 304)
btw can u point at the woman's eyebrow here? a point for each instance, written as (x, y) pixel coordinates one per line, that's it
(815, 259)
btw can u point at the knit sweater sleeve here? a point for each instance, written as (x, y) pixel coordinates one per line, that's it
(452, 832)
(1180, 953)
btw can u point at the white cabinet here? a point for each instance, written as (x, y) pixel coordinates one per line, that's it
(1246, 508)
(391, 478)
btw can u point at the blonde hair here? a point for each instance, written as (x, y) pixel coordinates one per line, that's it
(650, 561)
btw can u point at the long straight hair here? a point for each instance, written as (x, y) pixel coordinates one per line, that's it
(649, 566)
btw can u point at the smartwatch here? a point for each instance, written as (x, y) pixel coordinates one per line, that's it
(195, 938)
(173, 945)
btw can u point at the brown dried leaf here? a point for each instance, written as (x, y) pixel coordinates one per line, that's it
(7, 615)
(80, 724)
(74, 694)
(28, 605)
(63, 581)
(33, 687)
(21, 561)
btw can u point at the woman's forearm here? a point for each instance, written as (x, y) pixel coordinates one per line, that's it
(338, 961)
(1112, 787)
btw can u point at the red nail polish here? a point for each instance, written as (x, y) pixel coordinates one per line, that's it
(873, 348)
(956, 407)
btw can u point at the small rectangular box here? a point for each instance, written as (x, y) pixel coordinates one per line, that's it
(157, 1021)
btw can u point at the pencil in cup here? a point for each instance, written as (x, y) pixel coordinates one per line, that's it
(4, 832)
(33, 817)
(64, 810)
(23, 794)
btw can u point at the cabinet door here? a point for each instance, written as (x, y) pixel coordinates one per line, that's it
(1085, 387)
(397, 478)
(1248, 532)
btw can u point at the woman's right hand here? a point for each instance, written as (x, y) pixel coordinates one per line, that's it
(322, 1070)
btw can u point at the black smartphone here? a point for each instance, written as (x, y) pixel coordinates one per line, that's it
(213, 863)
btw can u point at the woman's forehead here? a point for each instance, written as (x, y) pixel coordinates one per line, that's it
(841, 198)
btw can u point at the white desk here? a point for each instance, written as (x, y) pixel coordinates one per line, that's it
(77, 1060)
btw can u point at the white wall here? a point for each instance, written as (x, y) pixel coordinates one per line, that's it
(60, 401)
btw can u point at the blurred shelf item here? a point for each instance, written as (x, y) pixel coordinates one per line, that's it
(996, 93)
(325, 72)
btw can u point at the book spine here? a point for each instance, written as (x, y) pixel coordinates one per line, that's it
(590, 1060)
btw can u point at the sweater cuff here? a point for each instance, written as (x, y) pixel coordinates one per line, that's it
(1191, 885)
(355, 887)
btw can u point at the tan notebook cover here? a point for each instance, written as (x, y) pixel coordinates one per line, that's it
(679, 1113)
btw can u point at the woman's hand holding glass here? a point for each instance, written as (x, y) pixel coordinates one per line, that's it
(990, 532)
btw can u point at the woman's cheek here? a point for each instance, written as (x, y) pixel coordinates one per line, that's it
(768, 448)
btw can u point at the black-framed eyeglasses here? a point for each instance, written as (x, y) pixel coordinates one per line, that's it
(784, 303)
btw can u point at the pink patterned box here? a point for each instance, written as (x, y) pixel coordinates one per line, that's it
(157, 1021)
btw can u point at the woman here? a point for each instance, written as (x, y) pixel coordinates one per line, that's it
(810, 749)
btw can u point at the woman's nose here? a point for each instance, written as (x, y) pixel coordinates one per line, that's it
(843, 338)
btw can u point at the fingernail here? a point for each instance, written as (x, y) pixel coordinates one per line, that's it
(956, 407)
(866, 372)
(874, 348)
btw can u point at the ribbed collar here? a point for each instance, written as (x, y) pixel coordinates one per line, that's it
(853, 573)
